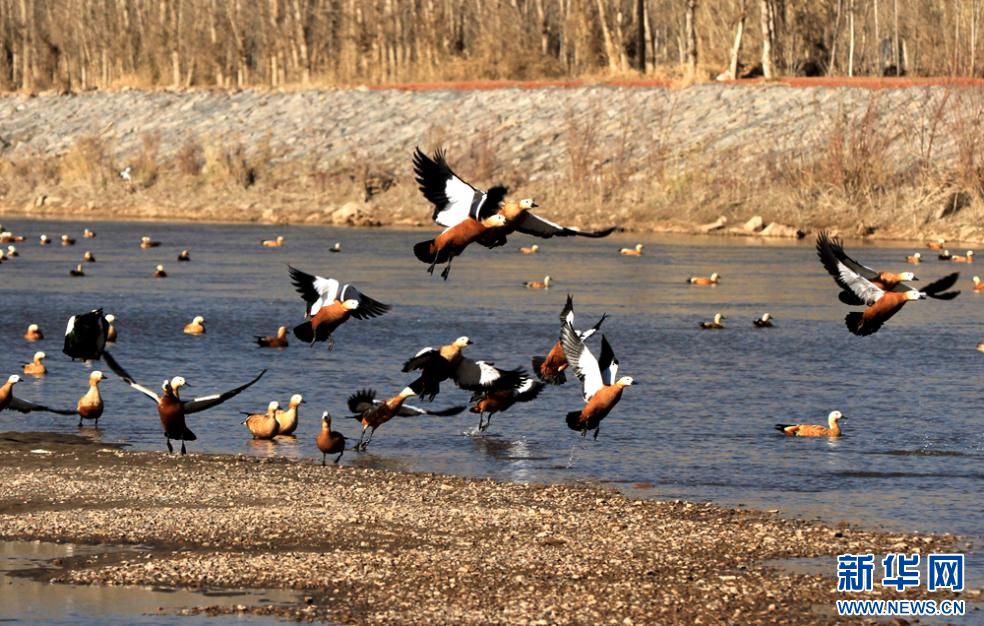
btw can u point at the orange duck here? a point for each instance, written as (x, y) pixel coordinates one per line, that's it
(978, 285)
(914, 259)
(537, 284)
(492, 402)
(36, 366)
(9, 401)
(936, 245)
(196, 326)
(550, 369)
(968, 258)
(329, 441)
(263, 425)
(329, 305)
(33, 333)
(813, 430)
(636, 251)
(273, 243)
(439, 364)
(453, 241)
(90, 406)
(374, 413)
(601, 387)
(534, 249)
(278, 341)
(704, 280)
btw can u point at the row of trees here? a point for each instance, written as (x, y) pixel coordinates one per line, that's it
(83, 44)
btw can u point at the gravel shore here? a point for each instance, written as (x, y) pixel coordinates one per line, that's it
(383, 547)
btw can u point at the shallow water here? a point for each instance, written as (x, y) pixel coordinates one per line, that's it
(697, 424)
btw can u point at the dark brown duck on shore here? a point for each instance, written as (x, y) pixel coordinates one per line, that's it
(329, 441)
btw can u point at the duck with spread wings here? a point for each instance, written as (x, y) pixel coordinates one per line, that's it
(439, 364)
(374, 413)
(492, 402)
(884, 294)
(9, 401)
(601, 388)
(550, 369)
(330, 304)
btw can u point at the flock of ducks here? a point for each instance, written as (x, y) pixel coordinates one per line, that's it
(468, 215)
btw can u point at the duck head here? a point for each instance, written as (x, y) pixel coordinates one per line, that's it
(296, 400)
(914, 294)
(461, 342)
(624, 381)
(407, 392)
(527, 203)
(908, 276)
(350, 304)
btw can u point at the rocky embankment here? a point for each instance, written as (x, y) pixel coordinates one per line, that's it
(889, 162)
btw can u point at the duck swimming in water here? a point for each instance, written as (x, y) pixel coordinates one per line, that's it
(813, 430)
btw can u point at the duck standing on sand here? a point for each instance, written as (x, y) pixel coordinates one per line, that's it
(329, 441)
(439, 364)
(329, 305)
(9, 401)
(600, 386)
(550, 369)
(374, 413)
(196, 327)
(36, 366)
(278, 341)
(814, 430)
(263, 425)
(33, 333)
(637, 251)
(492, 402)
(90, 406)
(763, 322)
(287, 419)
(715, 324)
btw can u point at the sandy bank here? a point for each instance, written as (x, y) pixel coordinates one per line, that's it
(374, 546)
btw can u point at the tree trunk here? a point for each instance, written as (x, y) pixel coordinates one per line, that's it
(850, 49)
(641, 34)
(768, 38)
(736, 46)
(691, 35)
(895, 48)
(606, 38)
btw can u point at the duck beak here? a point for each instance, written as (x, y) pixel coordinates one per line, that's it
(534, 205)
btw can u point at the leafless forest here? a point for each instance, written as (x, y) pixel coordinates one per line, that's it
(73, 45)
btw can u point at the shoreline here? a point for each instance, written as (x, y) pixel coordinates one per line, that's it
(380, 546)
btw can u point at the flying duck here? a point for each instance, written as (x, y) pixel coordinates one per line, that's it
(329, 305)
(263, 425)
(279, 341)
(600, 387)
(172, 409)
(945, 256)
(111, 331)
(914, 259)
(714, 325)
(637, 251)
(159, 272)
(77, 271)
(86, 336)
(936, 245)
(814, 430)
(453, 241)
(329, 441)
(273, 243)
(335, 248)
(978, 286)
(8, 401)
(439, 364)
(374, 413)
(88, 257)
(196, 327)
(36, 367)
(455, 200)
(704, 280)
(550, 369)
(12, 251)
(534, 249)
(33, 333)
(184, 256)
(968, 258)
(763, 322)
(536, 284)
(492, 402)
(44, 240)
(147, 242)
(860, 286)
(67, 241)
(88, 234)
(90, 405)
(287, 419)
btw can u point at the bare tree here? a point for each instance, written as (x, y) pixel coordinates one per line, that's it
(691, 38)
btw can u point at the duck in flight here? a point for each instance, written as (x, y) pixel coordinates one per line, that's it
(373, 413)
(13, 403)
(492, 402)
(550, 369)
(814, 430)
(453, 241)
(439, 364)
(172, 410)
(879, 291)
(601, 387)
(329, 305)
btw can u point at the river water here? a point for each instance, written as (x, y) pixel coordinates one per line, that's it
(697, 424)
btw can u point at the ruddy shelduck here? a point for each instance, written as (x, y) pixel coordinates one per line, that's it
(329, 441)
(12, 251)
(147, 242)
(936, 245)
(329, 305)
(601, 386)
(67, 241)
(273, 243)
(44, 240)
(288, 418)
(814, 430)
(196, 327)
(439, 364)
(715, 324)
(763, 322)
(33, 333)
(263, 425)
(534, 249)
(184, 256)
(336, 248)
(491, 402)
(88, 234)
(88, 257)
(967, 258)
(36, 366)
(453, 241)
(637, 251)
(550, 369)
(704, 280)
(76, 271)
(111, 331)
(537, 284)
(978, 285)
(9, 401)
(90, 406)
(277, 341)
(373, 413)
(159, 272)
(914, 259)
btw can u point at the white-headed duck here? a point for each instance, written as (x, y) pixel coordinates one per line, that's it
(88, 234)
(172, 409)
(111, 331)
(9, 401)
(184, 256)
(439, 364)
(936, 245)
(978, 285)
(550, 369)
(914, 259)
(534, 249)
(453, 241)
(637, 251)
(33, 333)
(273, 243)
(12, 251)
(329, 305)
(159, 272)
(278, 341)
(263, 425)
(196, 327)
(536, 284)
(90, 406)
(704, 280)
(715, 324)
(862, 286)
(44, 240)
(763, 322)
(814, 430)
(287, 419)
(147, 242)
(36, 367)
(945, 256)
(968, 258)
(374, 413)
(335, 248)
(492, 402)
(78, 271)
(455, 201)
(88, 257)
(600, 385)
(67, 241)
(329, 441)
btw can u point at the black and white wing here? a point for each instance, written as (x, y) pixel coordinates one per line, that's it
(125, 376)
(317, 291)
(368, 307)
(85, 335)
(482, 375)
(846, 277)
(420, 360)
(23, 406)
(607, 363)
(454, 200)
(362, 401)
(207, 402)
(413, 411)
(533, 224)
(528, 389)
(567, 317)
(937, 289)
(585, 364)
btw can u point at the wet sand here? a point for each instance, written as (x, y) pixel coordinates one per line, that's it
(377, 546)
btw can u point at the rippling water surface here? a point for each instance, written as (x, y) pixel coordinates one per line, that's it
(697, 424)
